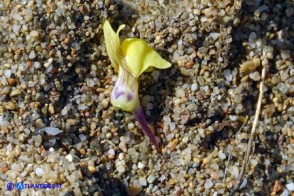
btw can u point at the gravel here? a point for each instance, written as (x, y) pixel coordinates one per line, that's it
(57, 124)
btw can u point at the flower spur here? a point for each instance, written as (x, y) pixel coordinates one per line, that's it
(130, 59)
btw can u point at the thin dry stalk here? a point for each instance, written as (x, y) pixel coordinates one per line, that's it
(250, 146)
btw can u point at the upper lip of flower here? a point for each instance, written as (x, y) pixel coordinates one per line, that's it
(133, 54)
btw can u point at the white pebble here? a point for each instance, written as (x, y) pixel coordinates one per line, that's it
(170, 136)
(32, 55)
(17, 17)
(36, 65)
(143, 181)
(111, 152)
(252, 37)
(290, 186)
(151, 179)
(244, 183)
(16, 28)
(82, 137)
(180, 93)
(172, 126)
(64, 111)
(48, 63)
(3, 122)
(282, 87)
(194, 87)
(228, 75)
(161, 178)
(31, 84)
(285, 193)
(121, 169)
(9, 147)
(214, 35)
(141, 165)
(233, 117)
(176, 56)
(166, 120)
(234, 171)
(69, 157)
(52, 130)
(39, 172)
(221, 155)
(208, 184)
(255, 76)
(7, 73)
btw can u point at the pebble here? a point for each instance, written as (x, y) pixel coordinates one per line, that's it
(34, 34)
(250, 65)
(290, 186)
(15, 92)
(221, 155)
(142, 181)
(285, 193)
(208, 184)
(277, 187)
(141, 165)
(228, 75)
(91, 169)
(39, 172)
(214, 35)
(234, 171)
(194, 87)
(32, 55)
(52, 130)
(69, 157)
(7, 73)
(180, 93)
(105, 103)
(10, 105)
(151, 179)
(255, 76)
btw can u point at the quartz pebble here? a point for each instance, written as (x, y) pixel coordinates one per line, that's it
(208, 184)
(39, 172)
(221, 155)
(143, 181)
(290, 186)
(52, 130)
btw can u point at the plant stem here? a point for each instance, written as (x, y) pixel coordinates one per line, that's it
(139, 114)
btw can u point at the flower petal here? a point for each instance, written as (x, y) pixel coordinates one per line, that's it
(125, 92)
(112, 43)
(140, 57)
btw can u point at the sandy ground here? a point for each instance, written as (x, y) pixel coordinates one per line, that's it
(57, 124)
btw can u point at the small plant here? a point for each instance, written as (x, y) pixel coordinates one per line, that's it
(130, 59)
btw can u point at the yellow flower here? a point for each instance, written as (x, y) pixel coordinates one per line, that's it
(130, 59)
(133, 54)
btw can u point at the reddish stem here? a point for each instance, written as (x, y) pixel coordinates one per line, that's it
(139, 114)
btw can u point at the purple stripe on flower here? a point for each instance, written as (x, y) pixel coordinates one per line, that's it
(130, 96)
(117, 93)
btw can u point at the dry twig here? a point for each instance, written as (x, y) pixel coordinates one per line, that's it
(250, 146)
